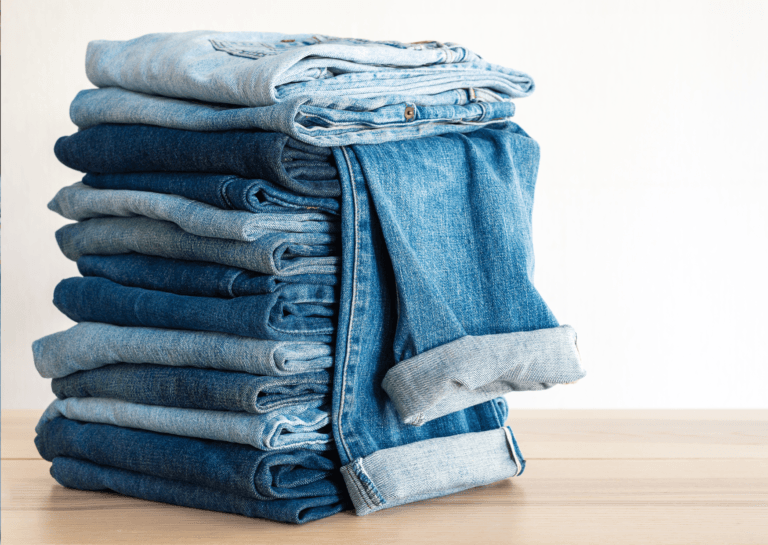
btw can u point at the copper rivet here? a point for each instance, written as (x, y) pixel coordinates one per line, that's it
(409, 112)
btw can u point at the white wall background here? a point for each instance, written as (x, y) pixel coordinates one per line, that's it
(652, 199)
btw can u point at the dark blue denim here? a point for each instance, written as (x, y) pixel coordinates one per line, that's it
(192, 388)
(283, 315)
(198, 278)
(82, 475)
(221, 190)
(230, 467)
(119, 149)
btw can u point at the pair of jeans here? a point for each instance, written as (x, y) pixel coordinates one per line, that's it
(229, 467)
(289, 429)
(294, 312)
(191, 388)
(190, 277)
(82, 475)
(122, 149)
(81, 202)
(336, 91)
(224, 191)
(437, 312)
(93, 345)
(282, 254)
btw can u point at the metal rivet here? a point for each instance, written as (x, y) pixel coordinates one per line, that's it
(409, 112)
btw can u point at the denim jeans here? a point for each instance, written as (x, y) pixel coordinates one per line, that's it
(276, 253)
(81, 202)
(191, 388)
(334, 90)
(289, 429)
(83, 475)
(92, 345)
(120, 149)
(190, 277)
(224, 191)
(229, 467)
(436, 276)
(295, 312)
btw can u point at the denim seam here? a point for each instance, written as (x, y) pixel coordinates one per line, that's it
(352, 304)
(223, 192)
(369, 491)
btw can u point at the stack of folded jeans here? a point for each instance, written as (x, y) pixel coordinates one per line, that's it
(268, 219)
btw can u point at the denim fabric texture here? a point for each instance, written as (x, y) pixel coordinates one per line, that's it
(220, 190)
(83, 475)
(191, 388)
(333, 91)
(190, 277)
(229, 467)
(276, 253)
(287, 429)
(119, 149)
(294, 312)
(455, 213)
(92, 345)
(81, 202)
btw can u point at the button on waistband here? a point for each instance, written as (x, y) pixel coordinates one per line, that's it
(410, 112)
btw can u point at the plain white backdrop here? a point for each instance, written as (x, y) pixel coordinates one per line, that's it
(651, 214)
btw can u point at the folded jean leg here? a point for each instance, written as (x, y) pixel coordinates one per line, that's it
(239, 469)
(83, 475)
(92, 345)
(274, 253)
(294, 312)
(190, 277)
(191, 388)
(81, 202)
(115, 149)
(285, 430)
(224, 191)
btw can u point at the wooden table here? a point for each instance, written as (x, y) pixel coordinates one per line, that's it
(613, 477)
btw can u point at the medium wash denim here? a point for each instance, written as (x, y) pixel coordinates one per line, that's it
(334, 90)
(81, 202)
(92, 345)
(191, 388)
(121, 149)
(229, 467)
(436, 247)
(295, 312)
(82, 475)
(289, 429)
(190, 277)
(220, 190)
(282, 254)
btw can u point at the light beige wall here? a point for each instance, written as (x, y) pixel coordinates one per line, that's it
(650, 221)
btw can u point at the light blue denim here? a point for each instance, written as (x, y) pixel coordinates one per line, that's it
(285, 429)
(319, 89)
(80, 202)
(432, 468)
(274, 253)
(91, 345)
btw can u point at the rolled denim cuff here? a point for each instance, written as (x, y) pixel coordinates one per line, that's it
(471, 370)
(431, 468)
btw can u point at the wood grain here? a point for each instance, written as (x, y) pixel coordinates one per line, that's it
(618, 497)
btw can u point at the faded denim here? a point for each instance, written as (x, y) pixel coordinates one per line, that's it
(295, 312)
(80, 202)
(336, 91)
(119, 149)
(190, 388)
(83, 475)
(221, 190)
(229, 467)
(276, 253)
(190, 277)
(92, 345)
(287, 429)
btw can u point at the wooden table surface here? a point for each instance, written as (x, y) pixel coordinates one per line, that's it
(593, 477)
